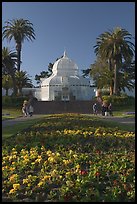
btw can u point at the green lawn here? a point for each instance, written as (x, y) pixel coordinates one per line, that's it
(8, 131)
(12, 113)
(16, 112)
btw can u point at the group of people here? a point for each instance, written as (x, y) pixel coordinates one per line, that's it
(106, 109)
(27, 108)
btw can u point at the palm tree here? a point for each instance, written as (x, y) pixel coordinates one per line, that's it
(115, 47)
(19, 30)
(22, 80)
(7, 83)
(9, 59)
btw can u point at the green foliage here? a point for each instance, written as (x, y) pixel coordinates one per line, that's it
(101, 74)
(119, 100)
(114, 47)
(13, 101)
(18, 30)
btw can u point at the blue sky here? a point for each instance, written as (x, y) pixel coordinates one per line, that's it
(73, 26)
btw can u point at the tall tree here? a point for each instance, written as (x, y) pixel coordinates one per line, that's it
(115, 47)
(22, 80)
(19, 30)
(9, 59)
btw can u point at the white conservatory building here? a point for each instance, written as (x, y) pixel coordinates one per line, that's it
(64, 84)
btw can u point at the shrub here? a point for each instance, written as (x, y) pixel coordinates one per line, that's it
(119, 100)
(12, 101)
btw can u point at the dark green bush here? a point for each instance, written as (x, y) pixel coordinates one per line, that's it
(13, 101)
(119, 101)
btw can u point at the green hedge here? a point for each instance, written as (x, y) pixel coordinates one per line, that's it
(119, 100)
(12, 101)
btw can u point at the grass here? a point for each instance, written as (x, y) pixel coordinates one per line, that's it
(8, 131)
(127, 127)
(13, 113)
(121, 111)
(16, 112)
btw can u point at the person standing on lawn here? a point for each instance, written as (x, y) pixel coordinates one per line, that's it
(110, 109)
(25, 108)
(95, 109)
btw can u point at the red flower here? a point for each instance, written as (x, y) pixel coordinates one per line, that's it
(115, 182)
(97, 173)
(98, 151)
(67, 198)
(83, 172)
(127, 187)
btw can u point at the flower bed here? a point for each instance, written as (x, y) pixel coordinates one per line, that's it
(69, 157)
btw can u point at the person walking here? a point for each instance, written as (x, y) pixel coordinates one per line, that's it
(95, 109)
(31, 109)
(104, 109)
(110, 109)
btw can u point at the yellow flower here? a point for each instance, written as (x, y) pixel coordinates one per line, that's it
(25, 181)
(54, 172)
(16, 186)
(40, 184)
(43, 148)
(13, 149)
(29, 184)
(46, 177)
(57, 154)
(51, 159)
(13, 177)
(65, 161)
(68, 173)
(25, 161)
(78, 166)
(49, 152)
(38, 160)
(70, 151)
(26, 157)
(29, 176)
(12, 191)
(12, 168)
(75, 156)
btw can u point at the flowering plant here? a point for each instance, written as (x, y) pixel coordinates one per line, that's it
(73, 158)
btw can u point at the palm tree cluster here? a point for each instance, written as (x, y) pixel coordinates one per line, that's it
(18, 30)
(116, 50)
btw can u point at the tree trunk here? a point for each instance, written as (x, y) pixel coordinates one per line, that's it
(14, 86)
(18, 48)
(7, 92)
(115, 78)
(19, 91)
(111, 90)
